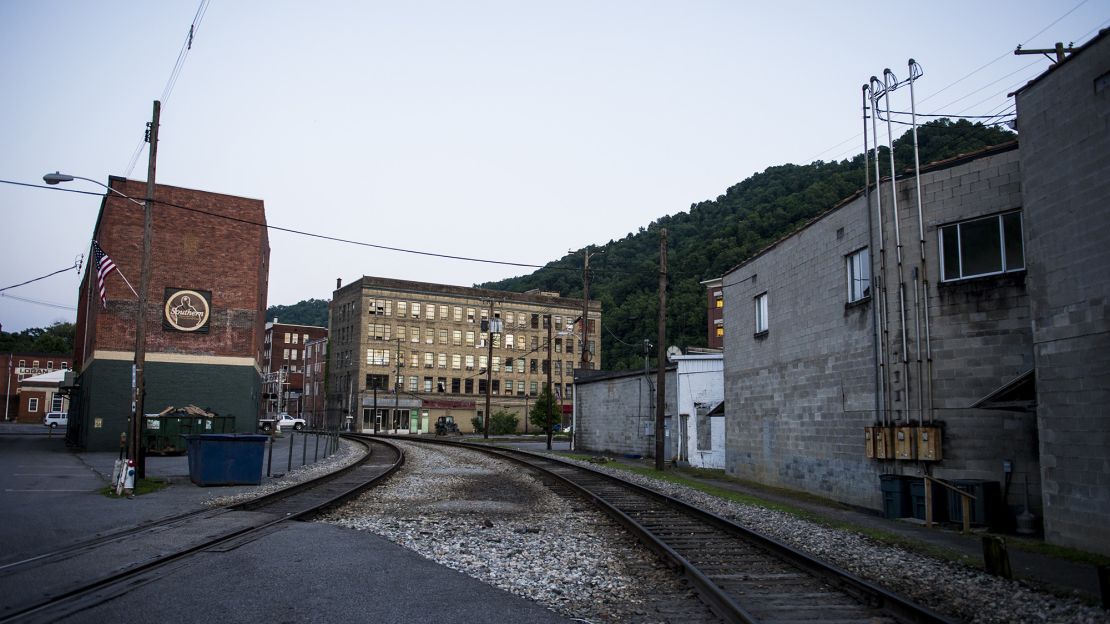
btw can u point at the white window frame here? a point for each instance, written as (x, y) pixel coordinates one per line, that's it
(761, 320)
(947, 230)
(32, 405)
(858, 271)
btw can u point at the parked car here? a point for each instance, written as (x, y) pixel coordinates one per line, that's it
(55, 419)
(283, 421)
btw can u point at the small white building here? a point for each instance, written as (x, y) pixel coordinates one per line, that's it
(701, 424)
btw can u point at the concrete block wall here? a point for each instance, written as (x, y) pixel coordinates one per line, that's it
(797, 398)
(1064, 118)
(614, 410)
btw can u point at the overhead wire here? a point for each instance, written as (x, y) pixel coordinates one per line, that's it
(68, 268)
(48, 304)
(322, 236)
(175, 73)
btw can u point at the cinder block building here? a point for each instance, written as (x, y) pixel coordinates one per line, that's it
(972, 346)
(403, 353)
(1064, 121)
(204, 318)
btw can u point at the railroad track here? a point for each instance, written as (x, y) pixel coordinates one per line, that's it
(742, 575)
(111, 565)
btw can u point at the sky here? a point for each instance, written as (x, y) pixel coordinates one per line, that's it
(504, 130)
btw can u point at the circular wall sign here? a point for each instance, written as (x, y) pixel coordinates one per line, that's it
(187, 310)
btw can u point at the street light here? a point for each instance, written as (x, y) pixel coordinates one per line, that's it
(139, 389)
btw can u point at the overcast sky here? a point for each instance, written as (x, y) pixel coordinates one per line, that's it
(512, 131)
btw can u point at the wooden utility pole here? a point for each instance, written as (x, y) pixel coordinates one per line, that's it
(661, 339)
(489, 368)
(550, 394)
(585, 356)
(134, 443)
(1059, 50)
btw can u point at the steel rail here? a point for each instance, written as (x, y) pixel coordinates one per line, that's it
(716, 597)
(56, 600)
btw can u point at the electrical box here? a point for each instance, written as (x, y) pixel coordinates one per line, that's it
(869, 442)
(905, 442)
(928, 443)
(883, 438)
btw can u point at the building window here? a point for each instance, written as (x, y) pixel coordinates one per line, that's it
(718, 300)
(456, 361)
(441, 384)
(719, 331)
(481, 386)
(497, 363)
(533, 366)
(858, 266)
(468, 385)
(470, 362)
(377, 357)
(761, 313)
(558, 322)
(509, 387)
(457, 314)
(570, 346)
(496, 386)
(456, 337)
(508, 365)
(379, 331)
(987, 246)
(441, 336)
(381, 382)
(509, 342)
(296, 338)
(55, 402)
(287, 338)
(50, 365)
(533, 388)
(401, 333)
(470, 315)
(535, 321)
(32, 405)
(429, 360)
(414, 359)
(442, 360)
(443, 312)
(402, 309)
(427, 384)
(415, 310)
(430, 311)
(558, 368)
(65, 365)
(456, 385)
(414, 335)
(470, 339)
(414, 383)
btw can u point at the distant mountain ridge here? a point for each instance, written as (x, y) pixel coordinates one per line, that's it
(716, 235)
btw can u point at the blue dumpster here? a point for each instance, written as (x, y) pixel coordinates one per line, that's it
(226, 458)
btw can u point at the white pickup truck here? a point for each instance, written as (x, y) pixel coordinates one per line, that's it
(282, 421)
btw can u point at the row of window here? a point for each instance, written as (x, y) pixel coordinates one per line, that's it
(442, 312)
(55, 403)
(458, 361)
(459, 338)
(457, 385)
(974, 248)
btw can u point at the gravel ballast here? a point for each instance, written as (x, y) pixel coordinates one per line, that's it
(496, 522)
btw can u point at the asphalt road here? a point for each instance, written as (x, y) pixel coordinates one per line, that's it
(301, 572)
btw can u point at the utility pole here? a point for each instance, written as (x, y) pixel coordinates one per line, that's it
(550, 395)
(134, 444)
(660, 373)
(1058, 50)
(489, 369)
(399, 383)
(585, 308)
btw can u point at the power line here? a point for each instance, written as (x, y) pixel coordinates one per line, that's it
(313, 235)
(68, 268)
(37, 302)
(167, 91)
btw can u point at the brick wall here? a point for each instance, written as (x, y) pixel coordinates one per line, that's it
(1064, 119)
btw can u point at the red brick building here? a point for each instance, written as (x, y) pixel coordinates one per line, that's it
(715, 313)
(284, 358)
(204, 317)
(315, 390)
(19, 366)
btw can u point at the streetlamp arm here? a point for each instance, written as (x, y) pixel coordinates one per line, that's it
(58, 177)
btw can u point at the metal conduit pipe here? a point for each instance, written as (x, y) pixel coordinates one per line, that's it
(887, 88)
(925, 383)
(876, 317)
(876, 88)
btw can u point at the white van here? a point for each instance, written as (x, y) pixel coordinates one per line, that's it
(55, 419)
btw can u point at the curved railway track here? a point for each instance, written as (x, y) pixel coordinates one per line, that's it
(110, 565)
(742, 575)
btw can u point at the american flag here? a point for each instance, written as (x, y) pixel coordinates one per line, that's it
(104, 266)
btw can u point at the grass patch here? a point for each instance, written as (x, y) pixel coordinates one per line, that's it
(143, 486)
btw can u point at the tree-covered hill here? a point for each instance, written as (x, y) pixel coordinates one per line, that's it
(58, 338)
(716, 235)
(306, 312)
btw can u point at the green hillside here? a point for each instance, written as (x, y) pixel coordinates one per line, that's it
(307, 312)
(716, 235)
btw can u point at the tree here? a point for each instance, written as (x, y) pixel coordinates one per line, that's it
(58, 338)
(545, 413)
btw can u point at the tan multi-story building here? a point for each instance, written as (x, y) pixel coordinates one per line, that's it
(405, 353)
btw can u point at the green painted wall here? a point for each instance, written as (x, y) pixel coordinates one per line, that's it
(106, 394)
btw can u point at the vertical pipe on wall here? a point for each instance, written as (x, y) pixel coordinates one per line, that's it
(876, 314)
(890, 82)
(876, 88)
(926, 382)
